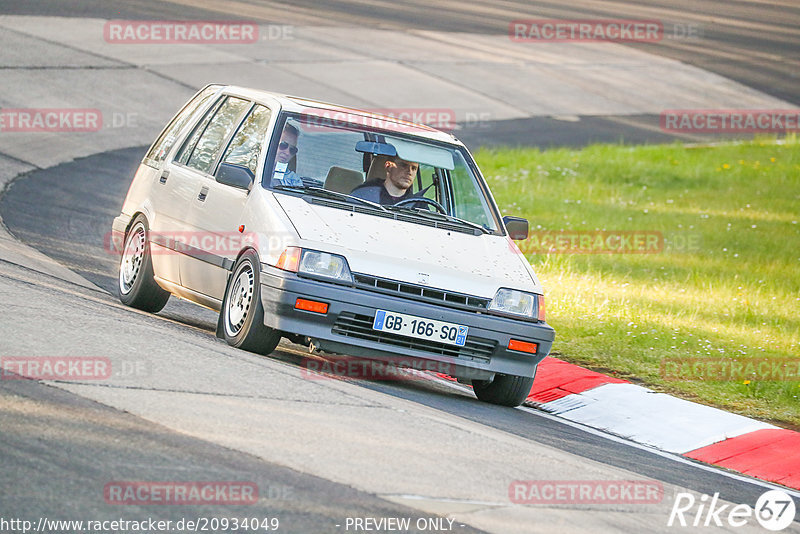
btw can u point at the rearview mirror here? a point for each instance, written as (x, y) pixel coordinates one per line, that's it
(517, 227)
(371, 147)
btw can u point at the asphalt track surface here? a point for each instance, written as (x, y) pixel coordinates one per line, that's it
(42, 211)
(751, 41)
(754, 42)
(58, 457)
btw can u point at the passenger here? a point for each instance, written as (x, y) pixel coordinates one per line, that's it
(400, 176)
(287, 149)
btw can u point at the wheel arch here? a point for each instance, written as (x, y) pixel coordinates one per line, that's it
(219, 333)
(143, 210)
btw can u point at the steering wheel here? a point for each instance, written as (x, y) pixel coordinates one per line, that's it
(424, 200)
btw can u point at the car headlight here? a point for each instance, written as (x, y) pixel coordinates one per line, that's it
(315, 264)
(324, 264)
(513, 302)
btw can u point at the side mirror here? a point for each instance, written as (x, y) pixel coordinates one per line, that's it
(517, 227)
(235, 176)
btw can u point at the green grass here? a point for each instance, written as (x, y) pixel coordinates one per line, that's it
(726, 285)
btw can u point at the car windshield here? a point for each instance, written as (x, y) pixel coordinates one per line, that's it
(400, 172)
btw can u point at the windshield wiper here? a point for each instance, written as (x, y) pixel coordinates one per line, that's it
(435, 214)
(321, 192)
(480, 227)
(283, 187)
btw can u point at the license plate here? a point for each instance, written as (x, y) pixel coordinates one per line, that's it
(420, 327)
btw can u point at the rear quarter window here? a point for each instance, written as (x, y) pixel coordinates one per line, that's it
(211, 141)
(158, 152)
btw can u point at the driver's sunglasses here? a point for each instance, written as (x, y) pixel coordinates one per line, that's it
(284, 145)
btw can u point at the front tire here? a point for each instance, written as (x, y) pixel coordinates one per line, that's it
(242, 314)
(505, 390)
(137, 287)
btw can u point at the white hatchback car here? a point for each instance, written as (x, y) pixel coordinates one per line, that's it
(289, 217)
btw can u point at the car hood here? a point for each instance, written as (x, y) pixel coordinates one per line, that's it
(412, 253)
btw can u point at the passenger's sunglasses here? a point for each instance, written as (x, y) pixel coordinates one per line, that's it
(292, 149)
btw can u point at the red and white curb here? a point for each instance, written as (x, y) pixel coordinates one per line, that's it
(667, 423)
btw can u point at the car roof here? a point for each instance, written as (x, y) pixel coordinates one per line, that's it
(333, 111)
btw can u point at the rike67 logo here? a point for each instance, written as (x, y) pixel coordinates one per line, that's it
(774, 510)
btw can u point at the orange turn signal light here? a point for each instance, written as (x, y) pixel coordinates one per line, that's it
(311, 305)
(289, 259)
(523, 346)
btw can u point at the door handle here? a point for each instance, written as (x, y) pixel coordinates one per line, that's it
(203, 193)
(164, 176)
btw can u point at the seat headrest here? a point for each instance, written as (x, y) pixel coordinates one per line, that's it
(377, 168)
(343, 180)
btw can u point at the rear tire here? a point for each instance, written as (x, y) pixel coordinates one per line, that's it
(137, 287)
(505, 390)
(242, 314)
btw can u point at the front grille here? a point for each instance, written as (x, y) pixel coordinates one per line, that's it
(360, 326)
(422, 293)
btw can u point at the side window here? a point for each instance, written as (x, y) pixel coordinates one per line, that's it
(163, 145)
(469, 204)
(424, 182)
(245, 147)
(313, 154)
(191, 140)
(205, 153)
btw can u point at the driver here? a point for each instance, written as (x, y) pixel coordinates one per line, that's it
(287, 149)
(400, 176)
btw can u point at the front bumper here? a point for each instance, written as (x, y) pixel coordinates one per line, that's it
(347, 328)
